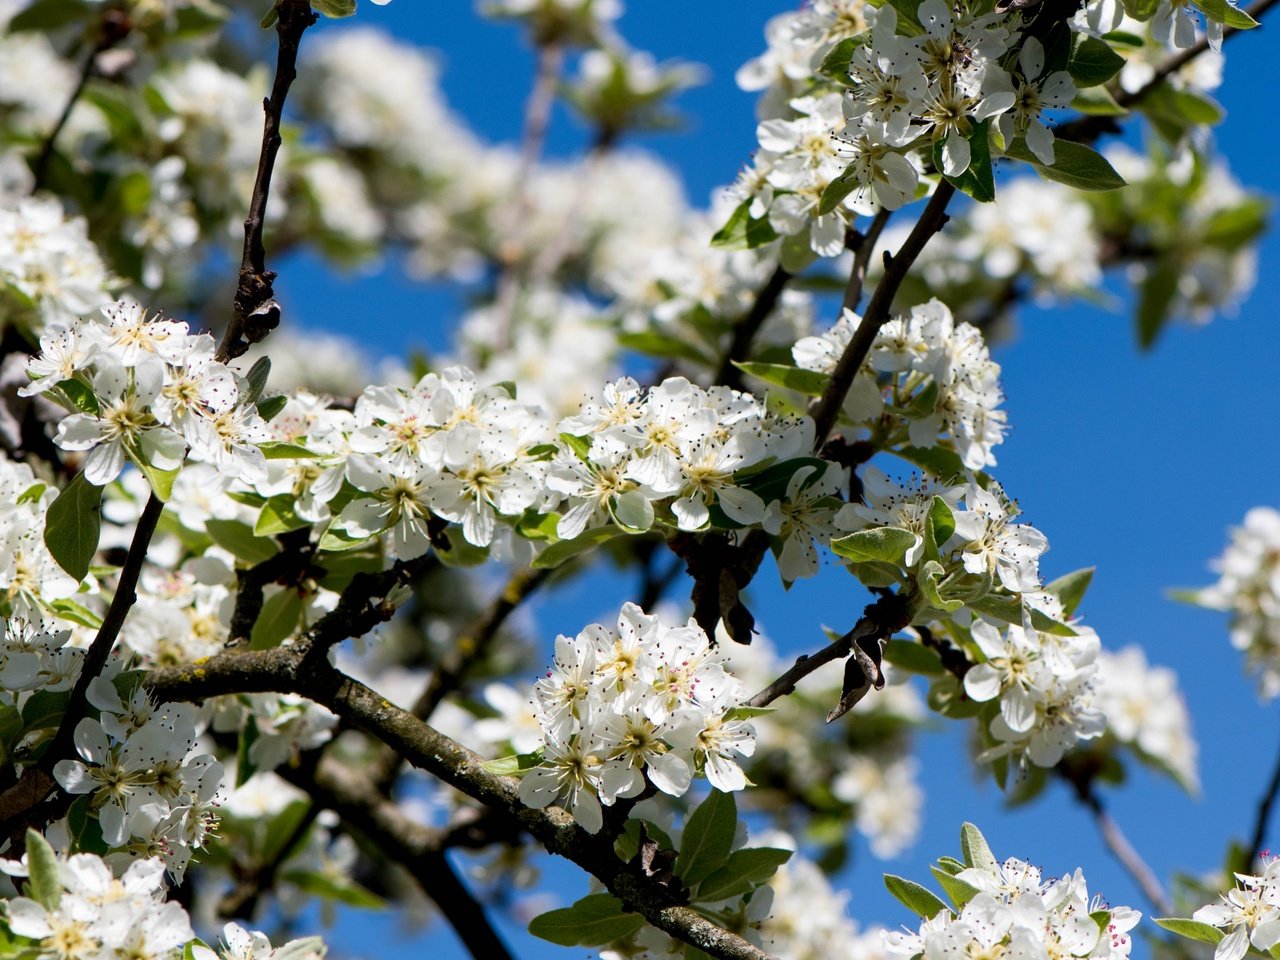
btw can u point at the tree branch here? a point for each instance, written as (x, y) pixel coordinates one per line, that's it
(1263, 818)
(862, 250)
(1120, 847)
(826, 409)
(256, 312)
(305, 670)
(745, 330)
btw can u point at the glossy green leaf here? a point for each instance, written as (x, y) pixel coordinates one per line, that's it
(593, 920)
(1074, 164)
(278, 619)
(742, 872)
(880, 544)
(1191, 929)
(708, 838)
(1093, 62)
(72, 526)
(1070, 588)
(334, 9)
(42, 866)
(742, 231)
(809, 382)
(558, 553)
(913, 657)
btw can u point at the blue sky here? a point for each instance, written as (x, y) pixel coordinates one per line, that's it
(1134, 462)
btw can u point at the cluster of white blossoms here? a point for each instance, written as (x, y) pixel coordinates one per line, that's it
(676, 447)
(1250, 913)
(1044, 685)
(31, 582)
(150, 789)
(78, 907)
(936, 89)
(145, 390)
(643, 704)
(1012, 910)
(926, 368)
(50, 272)
(1248, 588)
(1146, 711)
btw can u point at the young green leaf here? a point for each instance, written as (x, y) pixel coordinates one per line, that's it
(809, 382)
(921, 901)
(42, 864)
(236, 538)
(1074, 164)
(1093, 62)
(72, 526)
(881, 544)
(1070, 588)
(1191, 929)
(708, 838)
(973, 845)
(593, 920)
(742, 872)
(914, 657)
(558, 553)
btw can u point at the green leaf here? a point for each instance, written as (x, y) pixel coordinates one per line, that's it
(1155, 300)
(944, 521)
(42, 864)
(1227, 14)
(72, 526)
(1070, 588)
(335, 9)
(283, 828)
(44, 709)
(1074, 164)
(921, 901)
(256, 378)
(1191, 929)
(1141, 10)
(1093, 62)
(809, 382)
(1236, 226)
(914, 657)
(742, 232)
(269, 408)
(978, 179)
(32, 494)
(236, 538)
(593, 920)
(937, 461)
(950, 865)
(270, 17)
(50, 15)
(280, 450)
(1098, 102)
(708, 838)
(558, 553)
(330, 887)
(742, 872)
(161, 481)
(515, 764)
(76, 613)
(973, 847)
(245, 767)
(278, 516)
(656, 344)
(277, 620)
(835, 65)
(81, 397)
(747, 713)
(881, 544)
(957, 891)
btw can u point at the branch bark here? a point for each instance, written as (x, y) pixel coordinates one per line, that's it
(745, 330)
(256, 312)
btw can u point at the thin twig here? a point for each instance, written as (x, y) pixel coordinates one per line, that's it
(1264, 816)
(256, 312)
(38, 780)
(1122, 849)
(113, 26)
(537, 120)
(1179, 60)
(745, 330)
(861, 259)
(826, 409)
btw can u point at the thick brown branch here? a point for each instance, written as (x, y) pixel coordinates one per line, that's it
(310, 674)
(826, 409)
(256, 312)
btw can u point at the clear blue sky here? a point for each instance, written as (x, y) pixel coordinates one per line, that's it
(1135, 463)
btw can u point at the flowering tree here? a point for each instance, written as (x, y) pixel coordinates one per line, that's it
(793, 383)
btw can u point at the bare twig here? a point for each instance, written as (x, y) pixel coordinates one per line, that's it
(256, 312)
(880, 619)
(745, 330)
(112, 28)
(38, 780)
(1121, 848)
(1263, 818)
(862, 251)
(826, 409)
